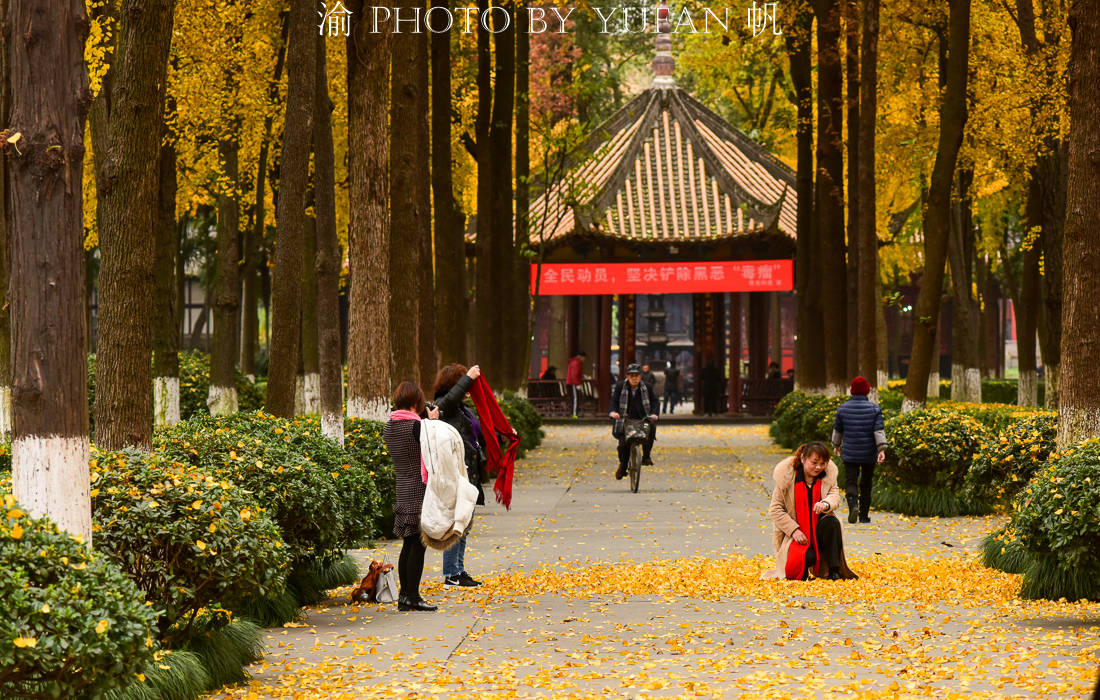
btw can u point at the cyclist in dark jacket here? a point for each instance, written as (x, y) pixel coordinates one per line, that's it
(859, 427)
(640, 404)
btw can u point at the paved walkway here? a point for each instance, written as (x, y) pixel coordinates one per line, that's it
(592, 590)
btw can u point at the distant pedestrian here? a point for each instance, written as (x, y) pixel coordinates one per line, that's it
(647, 375)
(807, 537)
(672, 387)
(574, 379)
(859, 427)
(660, 382)
(551, 373)
(773, 370)
(402, 436)
(452, 385)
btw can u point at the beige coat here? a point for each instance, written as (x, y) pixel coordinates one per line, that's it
(782, 514)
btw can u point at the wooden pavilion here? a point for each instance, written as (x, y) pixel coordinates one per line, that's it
(665, 189)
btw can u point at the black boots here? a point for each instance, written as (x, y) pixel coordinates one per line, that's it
(404, 603)
(853, 508)
(834, 574)
(621, 472)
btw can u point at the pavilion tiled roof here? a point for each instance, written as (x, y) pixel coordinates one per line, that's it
(666, 168)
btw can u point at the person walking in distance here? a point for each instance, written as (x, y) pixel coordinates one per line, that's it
(859, 428)
(672, 387)
(574, 378)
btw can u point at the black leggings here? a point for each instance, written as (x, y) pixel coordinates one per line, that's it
(857, 478)
(410, 566)
(828, 543)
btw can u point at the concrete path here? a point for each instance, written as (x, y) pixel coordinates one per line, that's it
(592, 590)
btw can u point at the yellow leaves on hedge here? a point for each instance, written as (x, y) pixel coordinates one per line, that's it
(17, 532)
(25, 642)
(101, 626)
(200, 544)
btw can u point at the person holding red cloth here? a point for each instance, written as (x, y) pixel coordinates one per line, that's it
(807, 538)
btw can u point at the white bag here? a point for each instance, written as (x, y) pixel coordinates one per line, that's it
(386, 592)
(449, 498)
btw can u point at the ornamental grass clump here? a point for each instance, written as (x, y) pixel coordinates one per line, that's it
(191, 541)
(73, 624)
(1009, 458)
(1058, 519)
(256, 451)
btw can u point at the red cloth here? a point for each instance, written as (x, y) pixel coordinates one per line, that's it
(493, 422)
(807, 523)
(574, 373)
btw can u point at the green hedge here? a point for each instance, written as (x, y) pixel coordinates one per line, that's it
(73, 624)
(1058, 520)
(188, 540)
(524, 419)
(1011, 456)
(993, 390)
(363, 440)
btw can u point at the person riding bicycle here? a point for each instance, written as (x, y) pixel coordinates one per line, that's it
(633, 399)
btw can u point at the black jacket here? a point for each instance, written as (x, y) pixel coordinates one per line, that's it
(634, 407)
(450, 410)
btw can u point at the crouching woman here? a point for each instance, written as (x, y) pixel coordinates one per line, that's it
(807, 534)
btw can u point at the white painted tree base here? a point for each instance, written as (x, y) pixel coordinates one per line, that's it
(1051, 376)
(836, 390)
(332, 427)
(908, 405)
(311, 393)
(1027, 388)
(883, 380)
(370, 409)
(5, 411)
(50, 478)
(934, 385)
(810, 390)
(222, 400)
(1077, 424)
(974, 384)
(166, 401)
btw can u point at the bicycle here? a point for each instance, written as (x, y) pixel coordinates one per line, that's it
(635, 432)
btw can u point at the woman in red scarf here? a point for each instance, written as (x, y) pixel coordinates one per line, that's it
(807, 536)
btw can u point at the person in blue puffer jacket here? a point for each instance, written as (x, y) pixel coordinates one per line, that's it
(859, 427)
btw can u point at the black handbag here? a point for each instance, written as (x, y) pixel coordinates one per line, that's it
(618, 429)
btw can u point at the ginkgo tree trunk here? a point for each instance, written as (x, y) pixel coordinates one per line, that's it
(1079, 398)
(369, 346)
(44, 151)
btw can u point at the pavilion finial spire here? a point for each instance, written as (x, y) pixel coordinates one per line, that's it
(663, 63)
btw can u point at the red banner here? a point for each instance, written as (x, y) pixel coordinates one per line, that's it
(663, 277)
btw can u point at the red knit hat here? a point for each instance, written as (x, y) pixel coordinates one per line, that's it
(860, 387)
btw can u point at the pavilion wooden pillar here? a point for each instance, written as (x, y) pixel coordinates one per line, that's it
(603, 368)
(734, 387)
(709, 341)
(758, 335)
(628, 306)
(572, 325)
(776, 300)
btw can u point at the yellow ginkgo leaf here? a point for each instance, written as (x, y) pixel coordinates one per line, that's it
(26, 642)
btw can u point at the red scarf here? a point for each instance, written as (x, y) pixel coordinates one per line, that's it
(493, 422)
(807, 522)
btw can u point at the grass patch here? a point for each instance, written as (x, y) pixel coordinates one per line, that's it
(177, 675)
(1005, 553)
(225, 651)
(1048, 578)
(911, 499)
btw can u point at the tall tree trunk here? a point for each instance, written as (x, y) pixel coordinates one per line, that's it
(5, 271)
(485, 321)
(830, 196)
(809, 363)
(937, 212)
(1026, 303)
(308, 391)
(966, 379)
(222, 397)
(867, 237)
(1053, 176)
(290, 211)
(407, 217)
(1079, 393)
(250, 321)
(500, 149)
(328, 261)
(450, 245)
(166, 302)
(132, 110)
(49, 98)
(369, 348)
(521, 325)
(422, 196)
(855, 203)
